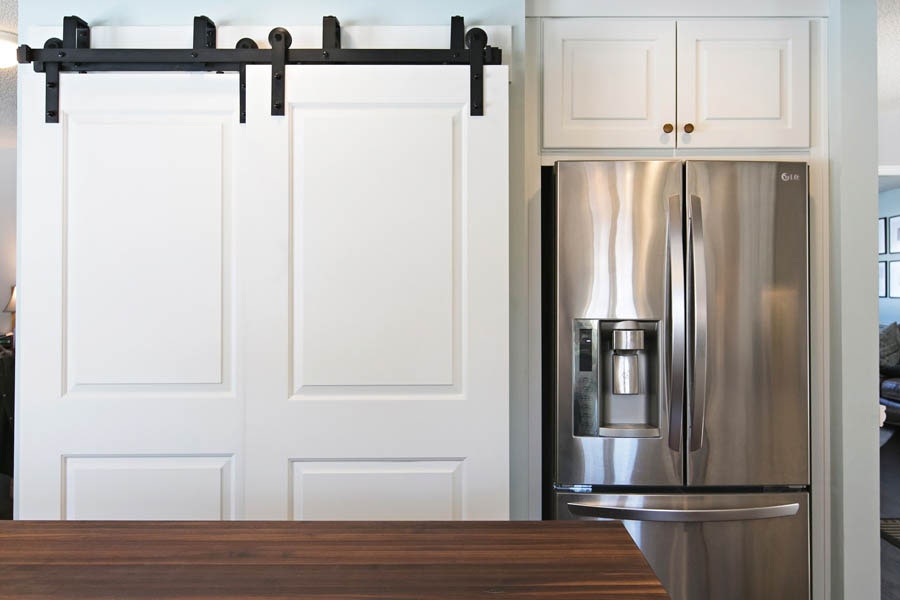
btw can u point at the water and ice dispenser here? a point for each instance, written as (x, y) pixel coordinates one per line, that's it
(615, 378)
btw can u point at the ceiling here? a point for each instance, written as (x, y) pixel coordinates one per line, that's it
(888, 54)
(888, 74)
(9, 18)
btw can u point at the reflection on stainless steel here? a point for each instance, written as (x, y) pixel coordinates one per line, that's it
(749, 559)
(756, 425)
(613, 264)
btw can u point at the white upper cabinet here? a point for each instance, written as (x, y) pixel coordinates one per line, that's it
(616, 83)
(608, 83)
(743, 84)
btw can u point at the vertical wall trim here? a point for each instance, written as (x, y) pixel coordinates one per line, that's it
(853, 139)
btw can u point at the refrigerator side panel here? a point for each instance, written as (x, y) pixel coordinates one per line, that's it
(754, 547)
(616, 222)
(748, 332)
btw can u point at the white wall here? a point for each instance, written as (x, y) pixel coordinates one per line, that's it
(889, 136)
(854, 344)
(366, 12)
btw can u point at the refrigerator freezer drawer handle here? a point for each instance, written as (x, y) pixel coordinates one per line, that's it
(632, 513)
(697, 395)
(677, 317)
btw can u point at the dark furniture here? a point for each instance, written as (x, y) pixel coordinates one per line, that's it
(889, 393)
(397, 560)
(7, 424)
(7, 406)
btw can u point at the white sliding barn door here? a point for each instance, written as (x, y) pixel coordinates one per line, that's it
(377, 379)
(298, 317)
(128, 400)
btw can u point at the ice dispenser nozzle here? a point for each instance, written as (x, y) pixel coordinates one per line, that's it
(627, 341)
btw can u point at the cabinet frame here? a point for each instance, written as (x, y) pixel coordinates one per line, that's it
(682, 83)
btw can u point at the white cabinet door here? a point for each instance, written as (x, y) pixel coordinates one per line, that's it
(609, 83)
(377, 364)
(743, 83)
(129, 402)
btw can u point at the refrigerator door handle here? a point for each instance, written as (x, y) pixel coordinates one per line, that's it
(677, 316)
(697, 374)
(633, 513)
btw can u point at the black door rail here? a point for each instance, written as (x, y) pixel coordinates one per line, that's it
(74, 54)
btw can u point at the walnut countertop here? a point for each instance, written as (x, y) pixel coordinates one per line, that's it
(396, 560)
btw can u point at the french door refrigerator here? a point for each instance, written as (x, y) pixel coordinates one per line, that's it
(679, 377)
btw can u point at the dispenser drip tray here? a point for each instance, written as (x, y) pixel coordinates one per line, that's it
(627, 430)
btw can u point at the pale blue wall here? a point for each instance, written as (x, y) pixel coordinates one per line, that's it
(889, 206)
(271, 12)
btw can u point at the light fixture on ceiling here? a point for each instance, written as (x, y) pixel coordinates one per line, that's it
(8, 44)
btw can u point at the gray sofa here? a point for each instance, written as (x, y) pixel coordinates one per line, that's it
(889, 364)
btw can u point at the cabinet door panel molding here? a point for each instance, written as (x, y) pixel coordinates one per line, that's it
(608, 83)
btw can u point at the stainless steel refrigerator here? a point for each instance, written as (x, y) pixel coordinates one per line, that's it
(677, 369)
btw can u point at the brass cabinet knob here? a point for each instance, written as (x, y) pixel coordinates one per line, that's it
(688, 127)
(668, 128)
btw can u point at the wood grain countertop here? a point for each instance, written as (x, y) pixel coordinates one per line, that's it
(557, 560)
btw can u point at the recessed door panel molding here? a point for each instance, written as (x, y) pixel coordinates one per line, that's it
(608, 83)
(743, 83)
(149, 249)
(380, 301)
(376, 256)
(170, 488)
(382, 490)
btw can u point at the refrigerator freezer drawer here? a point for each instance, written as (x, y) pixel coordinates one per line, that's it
(711, 546)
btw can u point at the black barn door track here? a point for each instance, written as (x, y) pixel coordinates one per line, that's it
(74, 54)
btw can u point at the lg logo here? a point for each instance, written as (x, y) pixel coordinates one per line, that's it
(790, 177)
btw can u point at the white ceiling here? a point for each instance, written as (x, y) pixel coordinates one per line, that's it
(888, 70)
(888, 54)
(9, 18)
